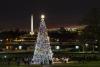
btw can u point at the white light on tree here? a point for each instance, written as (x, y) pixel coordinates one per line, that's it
(42, 16)
(77, 47)
(48, 37)
(20, 47)
(57, 47)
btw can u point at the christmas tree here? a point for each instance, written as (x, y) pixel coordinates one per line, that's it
(42, 53)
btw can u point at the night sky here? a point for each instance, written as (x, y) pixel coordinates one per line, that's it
(16, 13)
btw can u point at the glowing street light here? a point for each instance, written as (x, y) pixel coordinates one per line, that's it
(57, 40)
(20, 47)
(96, 46)
(5, 56)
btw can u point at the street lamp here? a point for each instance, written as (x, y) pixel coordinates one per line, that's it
(5, 56)
(57, 47)
(86, 45)
(20, 47)
(76, 47)
(96, 46)
(57, 40)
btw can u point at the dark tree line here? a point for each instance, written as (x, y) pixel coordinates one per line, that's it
(11, 34)
(63, 35)
(91, 33)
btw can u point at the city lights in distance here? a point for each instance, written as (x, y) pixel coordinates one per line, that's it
(7, 47)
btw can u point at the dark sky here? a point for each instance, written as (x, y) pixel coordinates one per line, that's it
(16, 13)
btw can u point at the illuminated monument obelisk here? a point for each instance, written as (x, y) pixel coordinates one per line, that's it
(32, 32)
(42, 53)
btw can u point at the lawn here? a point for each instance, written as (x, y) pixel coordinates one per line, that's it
(87, 64)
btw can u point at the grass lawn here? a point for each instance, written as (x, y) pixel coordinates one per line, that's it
(87, 64)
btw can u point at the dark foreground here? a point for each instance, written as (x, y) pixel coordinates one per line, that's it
(87, 64)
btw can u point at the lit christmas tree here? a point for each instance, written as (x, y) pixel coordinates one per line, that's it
(43, 53)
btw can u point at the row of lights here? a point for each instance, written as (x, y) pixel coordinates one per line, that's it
(14, 40)
(19, 47)
(76, 47)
